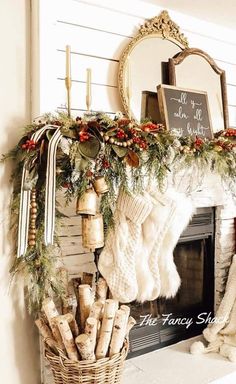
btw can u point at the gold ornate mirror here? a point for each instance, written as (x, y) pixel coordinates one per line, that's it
(195, 69)
(142, 64)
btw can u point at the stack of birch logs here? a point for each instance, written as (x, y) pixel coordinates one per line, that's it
(91, 327)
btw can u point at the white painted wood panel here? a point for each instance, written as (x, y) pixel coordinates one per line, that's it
(80, 13)
(103, 71)
(219, 50)
(232, 116)
(90, 42)
(231, 92)
(103, 98)
(230, 70)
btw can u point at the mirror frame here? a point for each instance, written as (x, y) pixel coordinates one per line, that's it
(160, 26)
(179, 58)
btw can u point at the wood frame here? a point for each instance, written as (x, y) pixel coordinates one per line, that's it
(180, 57)
(163, 108)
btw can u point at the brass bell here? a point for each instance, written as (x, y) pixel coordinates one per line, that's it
(87, 203)
(100, 185)
(93, 232)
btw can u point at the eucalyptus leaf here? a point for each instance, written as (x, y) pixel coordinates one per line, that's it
(90, 148)
(31, 179)
(81, 164)
(71, 133)
(120, 151)
(49, 134)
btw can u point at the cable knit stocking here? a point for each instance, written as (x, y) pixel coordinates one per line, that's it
(180, 212)
(171, 214)
(148, 275)
(117, 261)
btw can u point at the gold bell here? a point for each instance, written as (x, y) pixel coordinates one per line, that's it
(100, 185)
(87, 203)
(93, 232)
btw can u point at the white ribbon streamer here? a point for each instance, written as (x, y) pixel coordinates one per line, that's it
(50, 192)
(24, 209)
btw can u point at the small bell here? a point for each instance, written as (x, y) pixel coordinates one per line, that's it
(100, 185)
(93, 232)
(87, 203)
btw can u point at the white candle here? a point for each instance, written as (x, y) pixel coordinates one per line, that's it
(68, 64)
(88, 88)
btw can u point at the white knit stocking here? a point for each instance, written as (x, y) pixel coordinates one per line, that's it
(117, 261)
(148, 276)
(180, 212)
(174, 213)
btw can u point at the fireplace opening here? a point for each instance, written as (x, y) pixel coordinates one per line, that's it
(163, 322)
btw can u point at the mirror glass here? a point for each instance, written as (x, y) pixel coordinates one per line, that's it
(194, 72)
(145, 69)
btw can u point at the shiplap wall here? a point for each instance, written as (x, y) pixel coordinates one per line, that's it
(98, 31)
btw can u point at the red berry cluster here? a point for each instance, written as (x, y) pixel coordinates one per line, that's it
(198, 142)
(106, 164)
(121, 134)
(230, 132)
(140, 142)
(29, 144)
(148, 127)
(83, 136)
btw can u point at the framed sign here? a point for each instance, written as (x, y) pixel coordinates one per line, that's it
(185, 111)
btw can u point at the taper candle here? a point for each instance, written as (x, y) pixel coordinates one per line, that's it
(88, 89)
(68, 77)
(68, 64)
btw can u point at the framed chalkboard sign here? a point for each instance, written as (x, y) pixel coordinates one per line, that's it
(185, 111)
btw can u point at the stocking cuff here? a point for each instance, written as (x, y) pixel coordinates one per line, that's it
(135, 208)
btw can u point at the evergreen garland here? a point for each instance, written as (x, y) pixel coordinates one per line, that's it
(127, 154)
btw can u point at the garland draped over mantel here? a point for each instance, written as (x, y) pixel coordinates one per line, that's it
(61, 153)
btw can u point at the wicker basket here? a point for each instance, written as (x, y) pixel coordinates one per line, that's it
(103, 371)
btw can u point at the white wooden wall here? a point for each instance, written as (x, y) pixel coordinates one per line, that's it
(98, 31)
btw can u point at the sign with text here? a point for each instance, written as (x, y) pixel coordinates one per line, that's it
(185, 111)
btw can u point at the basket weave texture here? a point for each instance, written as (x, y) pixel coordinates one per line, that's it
(103, 371)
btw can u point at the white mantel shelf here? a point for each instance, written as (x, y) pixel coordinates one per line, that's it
(175, 365)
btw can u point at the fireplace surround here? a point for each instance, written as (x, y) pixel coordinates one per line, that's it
(163, 322)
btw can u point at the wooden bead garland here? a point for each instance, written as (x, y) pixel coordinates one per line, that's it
(33, 216)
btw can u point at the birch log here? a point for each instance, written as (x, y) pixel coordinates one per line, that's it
(85, 302)
(68, 339)
(106, 328)
(118, 332)
(91, 331)
(85, 347)
(71, 321)
(50, 311)
(131, 323)
(101, 289)
(96, 310)
(46, 333)
(72, 299)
